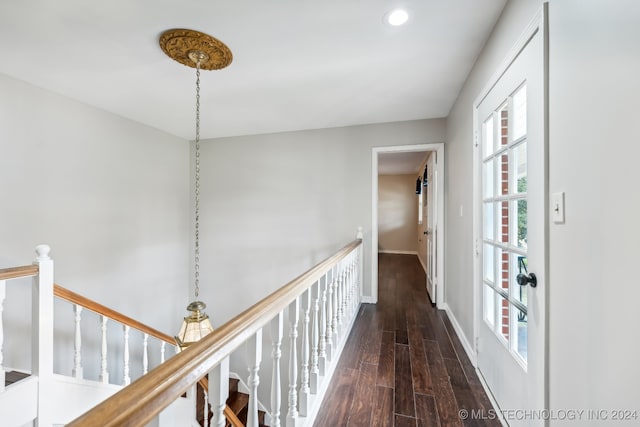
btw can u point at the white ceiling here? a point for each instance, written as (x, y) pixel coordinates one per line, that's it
(297, 64)
(402, 163)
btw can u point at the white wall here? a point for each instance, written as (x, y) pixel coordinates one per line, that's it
(111, 198)
(594, 152)
(459, 162)
(397, 213)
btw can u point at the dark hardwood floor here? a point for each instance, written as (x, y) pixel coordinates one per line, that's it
(402, 365)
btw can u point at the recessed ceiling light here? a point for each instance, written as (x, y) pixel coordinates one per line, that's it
(397, 17)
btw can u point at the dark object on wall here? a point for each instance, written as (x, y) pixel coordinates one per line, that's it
(425, 180)
(418, 186)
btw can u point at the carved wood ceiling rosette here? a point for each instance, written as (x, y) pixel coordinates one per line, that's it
(178, 43)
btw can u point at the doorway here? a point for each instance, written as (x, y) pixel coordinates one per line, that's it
(432, 239)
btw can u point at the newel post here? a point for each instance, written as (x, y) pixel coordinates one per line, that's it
(42, 337)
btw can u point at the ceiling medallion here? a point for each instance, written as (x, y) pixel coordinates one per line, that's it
(189, 46)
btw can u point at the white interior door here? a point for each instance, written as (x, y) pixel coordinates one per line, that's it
(430, 227)
(511, 247)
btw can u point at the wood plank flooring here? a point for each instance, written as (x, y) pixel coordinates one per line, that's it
(402, 365)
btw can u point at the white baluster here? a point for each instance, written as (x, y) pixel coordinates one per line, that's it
(340, 298)
(104, 374)
(192, 398)
(347, 289)
(294, 314)
(276, 353)
(145, 354)
(254, 350)
(162, 347)
(359, 273)
(219, 391)
(328, 333)
(358, 256)
(305, 398)
(126, 379)
(205, 415)
(314, 379)
(77, 347)
(345, 298)
(322, 339)
(334, 316)
(3, 293)
(356, 298)
(352, 270)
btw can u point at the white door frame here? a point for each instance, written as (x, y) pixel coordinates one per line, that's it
(438, 148)
(539, 23)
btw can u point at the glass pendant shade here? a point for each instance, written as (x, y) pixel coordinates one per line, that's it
(195, 326)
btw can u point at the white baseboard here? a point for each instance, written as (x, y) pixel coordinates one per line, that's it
(368, 300)
(385, 251)
(468, 348)
(473, 356)
(492, 399)
(422, 263)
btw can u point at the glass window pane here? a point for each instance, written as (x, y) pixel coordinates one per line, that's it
(488, 142)
(518, 266)
(519, 339)
(520, 113)
(489, 306)
(503, 317)
(503, 221)
(520, 168)
(503, 174)
(519, 227)
(503, 269)
(489, 263)
(488, 181)
(504, 125)
(489, 220)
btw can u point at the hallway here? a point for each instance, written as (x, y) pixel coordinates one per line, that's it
(402, 365)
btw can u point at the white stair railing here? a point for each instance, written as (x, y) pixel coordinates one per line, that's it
(38, 397)
(318, 308)
(325, 299)
(128, 326)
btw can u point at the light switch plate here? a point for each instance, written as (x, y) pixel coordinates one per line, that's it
(557, 208)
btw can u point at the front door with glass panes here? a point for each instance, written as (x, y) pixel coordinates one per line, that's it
(512, 237)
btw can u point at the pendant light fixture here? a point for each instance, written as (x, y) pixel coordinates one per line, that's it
(202, 52)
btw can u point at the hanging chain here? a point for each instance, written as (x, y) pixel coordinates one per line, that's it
(197, 184)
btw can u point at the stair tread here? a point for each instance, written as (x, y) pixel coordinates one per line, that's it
(237, 401)
(12, 377)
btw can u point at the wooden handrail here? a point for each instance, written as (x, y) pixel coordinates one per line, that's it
(89, 304)
(146, 397)
(17, 272)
